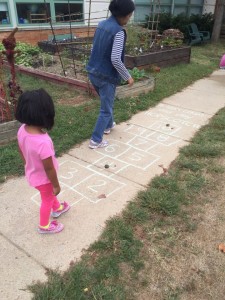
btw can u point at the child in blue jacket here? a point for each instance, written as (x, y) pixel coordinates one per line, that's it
(106, 65)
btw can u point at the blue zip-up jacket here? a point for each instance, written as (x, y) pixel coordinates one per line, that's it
(100, 63)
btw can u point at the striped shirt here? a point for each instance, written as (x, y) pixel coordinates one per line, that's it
(116, 55)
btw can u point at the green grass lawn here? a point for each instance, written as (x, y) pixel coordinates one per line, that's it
(110, 267)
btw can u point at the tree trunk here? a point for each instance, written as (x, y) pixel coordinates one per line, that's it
(218, 20)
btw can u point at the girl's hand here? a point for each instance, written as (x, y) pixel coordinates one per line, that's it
(56, 190)
(51, 173)
(130, 81)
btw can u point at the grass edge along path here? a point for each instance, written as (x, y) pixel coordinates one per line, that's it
(100, 272)
(74, 124)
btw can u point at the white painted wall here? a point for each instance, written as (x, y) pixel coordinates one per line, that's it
(98, 9)
(209, 6)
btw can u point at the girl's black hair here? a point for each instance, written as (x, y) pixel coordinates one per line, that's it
(36, 108)
(121, 8)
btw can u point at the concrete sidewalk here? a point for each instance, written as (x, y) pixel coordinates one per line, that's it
(98, 184)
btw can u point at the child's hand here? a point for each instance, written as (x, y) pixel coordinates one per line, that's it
(130, 81)
(56, 190)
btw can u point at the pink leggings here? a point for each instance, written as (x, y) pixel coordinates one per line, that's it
(48, 202)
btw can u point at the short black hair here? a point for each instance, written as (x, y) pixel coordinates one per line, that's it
(36, 108)
(121, 8)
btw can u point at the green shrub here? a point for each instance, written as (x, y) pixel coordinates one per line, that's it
(30, 56)
(167, 21)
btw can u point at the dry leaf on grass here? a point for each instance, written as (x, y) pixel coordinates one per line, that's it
(165, 170)
(221, 247)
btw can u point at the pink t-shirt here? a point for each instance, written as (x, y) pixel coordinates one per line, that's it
(35, 148)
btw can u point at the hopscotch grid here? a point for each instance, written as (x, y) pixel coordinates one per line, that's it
(142, 151)
(116, 156)
(156, 131)
(105, 176)
(147, 140)
(112, 173)
(181, 119)
(103, 159)
(130, 164)
(195, 112)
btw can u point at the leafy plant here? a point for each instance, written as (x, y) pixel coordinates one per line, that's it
(138, 39)
(172, 42)
(27, 54)
(136, 74)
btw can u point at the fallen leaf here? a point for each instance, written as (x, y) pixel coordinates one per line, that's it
(101, 196)
(221, 247)
(165, 170)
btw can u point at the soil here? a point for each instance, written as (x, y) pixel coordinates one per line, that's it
(72, 69)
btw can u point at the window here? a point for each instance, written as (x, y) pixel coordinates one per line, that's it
(4, 14)
(187, 7)
(32, 13)
(68, 12)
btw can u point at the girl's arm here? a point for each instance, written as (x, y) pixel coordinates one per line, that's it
(52, 175)
(117, 49)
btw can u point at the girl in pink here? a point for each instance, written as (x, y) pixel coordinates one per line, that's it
(222, 62)
(35, 110)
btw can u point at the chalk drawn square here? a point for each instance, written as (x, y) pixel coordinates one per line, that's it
(112, 165)
(164, 128)
(70, 173)
(135, 130)
(67, 194)
(96, 186)
(139, 159)
(142, 143)
(114, 149)
(160, 138)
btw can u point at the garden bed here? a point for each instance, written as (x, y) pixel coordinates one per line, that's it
(76, 45)
(8, 131)
(143, 86)
(161, 58)
(140, 87)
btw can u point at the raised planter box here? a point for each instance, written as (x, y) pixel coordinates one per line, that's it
(162, 58)
(123, 91)
(141, 87)
(8, 131)
(80, 84)
(76, 45)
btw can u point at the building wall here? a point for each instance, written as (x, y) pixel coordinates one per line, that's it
(209, 6)
(188, 7)
(35, 32)
(34, 36)
(93, 12)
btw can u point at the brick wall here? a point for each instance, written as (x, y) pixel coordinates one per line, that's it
(34, 36)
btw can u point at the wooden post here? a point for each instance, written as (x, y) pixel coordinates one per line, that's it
(218, 20)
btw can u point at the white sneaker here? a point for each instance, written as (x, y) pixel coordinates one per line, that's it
(94, 145)
(108, 130)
